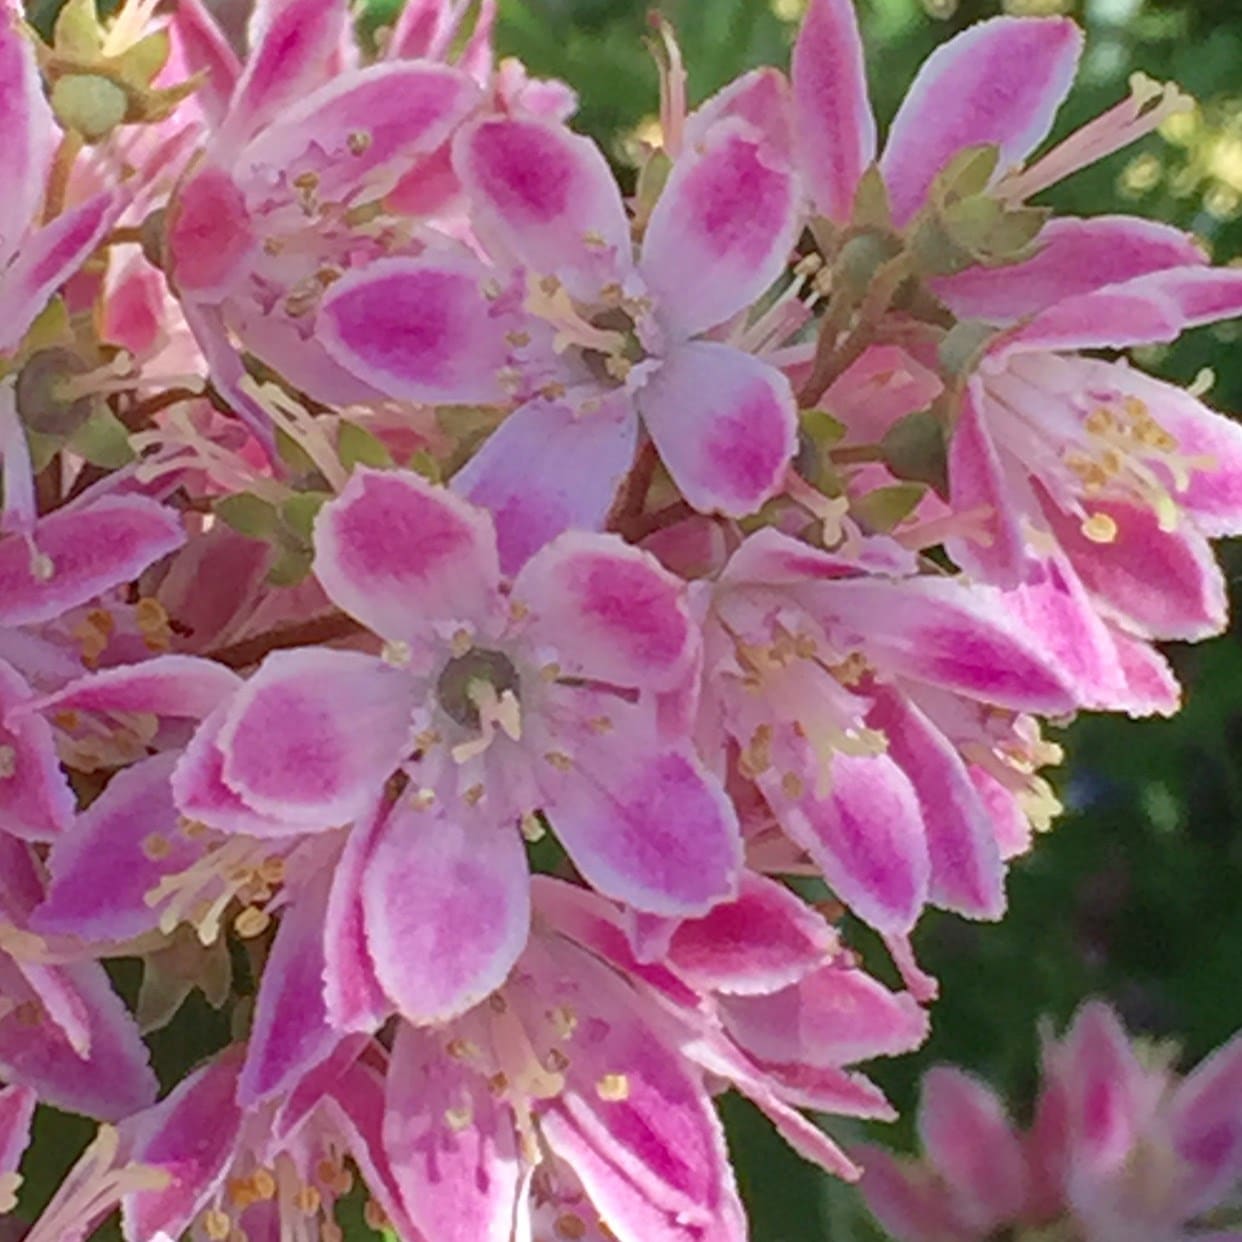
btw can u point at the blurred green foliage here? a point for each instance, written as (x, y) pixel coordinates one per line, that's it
(1134, 894)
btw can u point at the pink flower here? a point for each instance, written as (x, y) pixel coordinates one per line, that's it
(595, 339)
(489, 707)
(1119, 1148)
(17, 1105)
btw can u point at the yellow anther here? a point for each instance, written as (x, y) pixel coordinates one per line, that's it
(498, 1083)
(792, 785)
(375, 1217)
(756, 757)
(497, 1003)
(217, 1225)
(308, 1200)
(473, 796)
(570, 1226)
(462, 642)
(1100, 528)
(600, 724)
(358, 142)
(252, 922)
(264, 1184)
(532, 827)
(156, 846)
(427, 739)
(613, 1088)
(559, 760)
(550, 672)
(272, 870)
(564, 1021)
(556, 1062)
(397, 653)
(458, 1118)
(1099, 421)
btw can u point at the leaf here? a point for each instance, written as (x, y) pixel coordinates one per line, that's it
(885, 508)
(103, 440)
(355, 446)
(248, 515)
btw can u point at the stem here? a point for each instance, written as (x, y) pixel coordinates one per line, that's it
(629, 507)
(58, 178)
(856, 454)
(308, 633)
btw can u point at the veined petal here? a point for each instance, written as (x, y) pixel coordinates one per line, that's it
(397, 553)
(547, 198)
(290, 1032)
(966, 871)
(645, 823)
(836, 1016)
(47, 258)
(761, 941)
(418, 329)
(36, 801)
(28, 139)
(1206, 1126)
(1075, 257)
(999, 83)
(446, 905)
(725, 424)
(610, 611)
(545, 470)
(833, 121)
(721, 232)
(970, 1140)
(866, 834)
(191, 1135)
(458, 1183)
(89, 550)
(114, 854)
(314, 734)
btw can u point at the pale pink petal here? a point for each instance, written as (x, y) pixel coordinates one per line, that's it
(28, 137)
(760, 99)
(397, 553)
(834, 1017)
(314, 734)
(290, 1033)
(1075, 256)
(1206, 1127)
(17, 1105)
(458, 1183)
(1202, 294)
(110, 1079)
(419, 30)
(205, 50)
(769, 557)
(1115, 317)
(966, 871)
(321, 1083)
(721, 232)
(1151, 687)
(418, 329)
(19, 510)
(190, 1135)
(202, 796)
(293, 43)
(36, 801)
(401, 111)
(865, 832)
(828, 1089)
(763, 940)
(545, 470)
(90, 549)
(211, 240)
(354, 998)
(611, 612)
(909, 1200)
(832, 118)
(952, 634)
(977, 481)
(999, 83)
(546, 198)
(970, 1140)
(115, 853)
(725, 424)
(447, 910)
(1163, 584)
(47, 258)
(645, 823)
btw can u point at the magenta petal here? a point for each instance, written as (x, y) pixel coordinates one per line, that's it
(210, 235)
(999, 82)
(763, 940)
(447, 910)
(966, 871)
(547, 198)
(205, 50)
(190, 1135)
(725, 424)
(610, 611)
(645, 824)
(47, 258)
(865, 833)
(28, 138)
(1075, 257)
(292, 45)
(36, 801)
(90, 549)
(314, 734)
(290, 1031)
(17, 1105)
(459, 1184)
(1206, 1126)
(354, 998)
(760, 99)
(398, 553)
(908, 1199)
(970, 1140)
(418, 329)
(103, 868)
(1115, 317)
(721, 232)
(545, 470)
(836, 1016)
(833, 121)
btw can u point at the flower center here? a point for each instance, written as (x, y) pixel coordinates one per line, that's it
(477, 676)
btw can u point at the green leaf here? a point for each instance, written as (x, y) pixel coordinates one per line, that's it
(356, 446)
(299, 512)
(103, 440)
(914, 448)
(248, 515)
(886, 507)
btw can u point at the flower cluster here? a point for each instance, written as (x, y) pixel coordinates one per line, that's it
(1120, 1149)
(484, 630)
